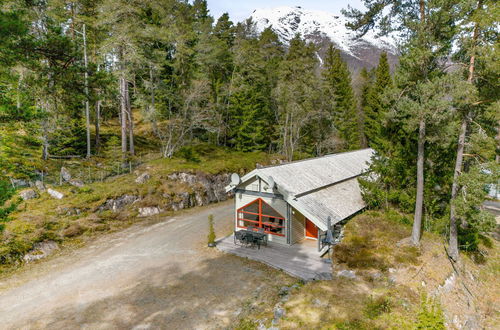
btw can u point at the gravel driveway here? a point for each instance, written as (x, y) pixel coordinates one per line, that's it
(146, 277)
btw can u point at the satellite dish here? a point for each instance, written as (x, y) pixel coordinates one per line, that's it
(271, 182)
(235, 179)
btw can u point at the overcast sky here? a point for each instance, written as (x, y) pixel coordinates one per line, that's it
(241, 9)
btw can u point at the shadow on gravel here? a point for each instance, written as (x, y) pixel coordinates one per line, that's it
(209, 297)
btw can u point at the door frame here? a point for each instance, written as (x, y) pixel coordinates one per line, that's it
(305, 230)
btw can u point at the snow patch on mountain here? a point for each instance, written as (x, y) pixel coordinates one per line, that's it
(288, 21)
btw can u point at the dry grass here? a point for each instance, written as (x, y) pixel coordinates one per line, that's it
(392, 279)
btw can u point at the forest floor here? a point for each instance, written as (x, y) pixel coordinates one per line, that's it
(152, 275)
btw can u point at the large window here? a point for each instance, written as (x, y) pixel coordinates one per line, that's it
(259, 214)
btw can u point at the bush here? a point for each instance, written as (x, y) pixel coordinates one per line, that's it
(211, 231)
(69, 138)
(430, 315)
(188, 153)
(6, 192)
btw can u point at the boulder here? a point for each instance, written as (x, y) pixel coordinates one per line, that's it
(143, 178)
(65, 175)
(149, 211)
(472, 323)
(76, 183)
(279, 312)
(40, 250)
(62, 210)
(40, 185)
(347, 273)
(116, 204)
(319, 303)
(19, 183)
(28, 194)
(54, 193)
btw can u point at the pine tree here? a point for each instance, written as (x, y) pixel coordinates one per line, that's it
(475, 44)
(429, 28)
(375, 109)
(337, 86)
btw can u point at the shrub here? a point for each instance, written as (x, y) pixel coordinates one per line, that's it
(188, 153)
(430, 315)
(6, 192)
(211, 231)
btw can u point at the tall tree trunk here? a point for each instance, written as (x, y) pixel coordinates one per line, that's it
(87, 106)
(417, 220)
(152, 110)
(97, 126)
(453, 249)
(18, 96)
(419, 201)
(123, 115)
(130, 121)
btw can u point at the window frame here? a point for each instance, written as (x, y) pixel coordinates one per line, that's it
(259, 223)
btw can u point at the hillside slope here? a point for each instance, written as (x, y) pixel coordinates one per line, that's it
(382, 283)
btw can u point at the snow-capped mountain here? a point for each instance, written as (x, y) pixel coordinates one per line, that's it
(323, 27)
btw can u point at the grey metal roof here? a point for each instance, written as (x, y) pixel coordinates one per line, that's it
(321, 187)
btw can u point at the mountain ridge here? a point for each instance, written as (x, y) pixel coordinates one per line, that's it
(323, 28)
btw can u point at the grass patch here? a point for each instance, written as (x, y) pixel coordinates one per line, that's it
(377, 306)
(370, 242)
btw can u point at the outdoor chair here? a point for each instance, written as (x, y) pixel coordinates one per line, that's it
(263, 236)
(240, 236)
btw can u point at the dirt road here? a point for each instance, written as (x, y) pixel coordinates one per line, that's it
(159, 276)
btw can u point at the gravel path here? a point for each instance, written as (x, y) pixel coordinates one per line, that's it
(145, 277)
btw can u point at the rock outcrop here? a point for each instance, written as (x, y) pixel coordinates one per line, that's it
(117, 204)
(28, 194)
(143, 178)
(149, 211)
(199, 189)
(40, 185)
(76, 183)
(207, 188)
(65, 175)
(40, 250)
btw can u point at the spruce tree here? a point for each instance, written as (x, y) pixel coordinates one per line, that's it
(375, 109)
(337, 86)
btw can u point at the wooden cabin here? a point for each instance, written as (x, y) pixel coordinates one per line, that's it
(293, 201)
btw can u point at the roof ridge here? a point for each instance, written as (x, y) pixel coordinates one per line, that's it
(313, 158)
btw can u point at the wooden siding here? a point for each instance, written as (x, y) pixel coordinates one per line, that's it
(297, 226)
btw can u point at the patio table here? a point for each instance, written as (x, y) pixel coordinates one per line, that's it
(251, 237)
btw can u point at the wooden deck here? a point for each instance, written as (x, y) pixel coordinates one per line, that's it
(299, 260)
